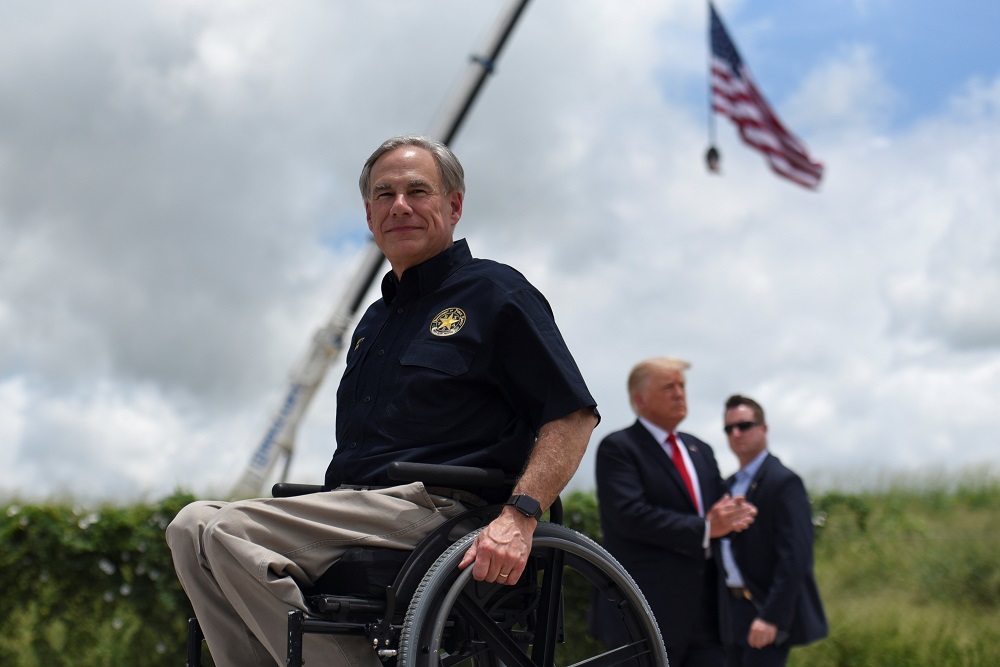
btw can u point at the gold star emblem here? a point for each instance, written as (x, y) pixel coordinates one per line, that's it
(448, 322)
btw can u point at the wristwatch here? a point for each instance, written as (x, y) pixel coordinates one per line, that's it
(526, 505)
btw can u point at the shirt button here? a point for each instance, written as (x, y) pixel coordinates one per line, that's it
(368, 399)
(354, 445)
(381, 353)
(399, 310)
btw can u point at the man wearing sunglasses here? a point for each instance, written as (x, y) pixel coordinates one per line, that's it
(773, 601)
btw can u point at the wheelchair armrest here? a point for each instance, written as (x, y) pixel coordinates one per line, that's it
(433, 474)
(406, 471)
(286, 490)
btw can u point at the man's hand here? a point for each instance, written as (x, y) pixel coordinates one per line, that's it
(730, 515)
(501, 550)
(761, 633)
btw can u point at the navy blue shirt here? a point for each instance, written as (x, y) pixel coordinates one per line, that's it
(461, 363)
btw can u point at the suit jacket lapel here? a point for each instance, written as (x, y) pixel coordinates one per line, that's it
(655, 452)
(758, 479)
(697, 457)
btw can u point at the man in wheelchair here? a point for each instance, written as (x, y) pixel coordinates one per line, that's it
(460, 363)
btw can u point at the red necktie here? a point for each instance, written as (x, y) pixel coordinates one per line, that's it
(675, 454)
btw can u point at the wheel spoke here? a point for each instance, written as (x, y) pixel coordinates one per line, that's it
(616, 656)
(544, 651)
(498, 641)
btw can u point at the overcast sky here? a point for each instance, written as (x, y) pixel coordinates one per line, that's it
(179, 213)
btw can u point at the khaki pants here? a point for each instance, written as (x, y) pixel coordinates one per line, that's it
(241, 563)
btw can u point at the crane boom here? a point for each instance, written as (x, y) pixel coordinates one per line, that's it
(328, 341)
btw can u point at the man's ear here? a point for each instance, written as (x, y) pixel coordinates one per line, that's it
(456, 200)
(368, 216)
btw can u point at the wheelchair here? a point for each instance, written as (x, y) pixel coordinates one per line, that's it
(419, 610)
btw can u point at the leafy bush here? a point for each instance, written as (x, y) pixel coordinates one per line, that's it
(89, 587)
(909, 577)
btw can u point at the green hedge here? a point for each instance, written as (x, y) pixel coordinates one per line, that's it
(88, 587)
(909, 577)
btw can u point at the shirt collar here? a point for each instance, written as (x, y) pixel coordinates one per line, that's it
(749, 471)
(428, 275)
(658, 433)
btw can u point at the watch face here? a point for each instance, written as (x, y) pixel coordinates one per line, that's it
(526, 505)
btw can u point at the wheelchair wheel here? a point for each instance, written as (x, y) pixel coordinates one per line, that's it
(453, 619)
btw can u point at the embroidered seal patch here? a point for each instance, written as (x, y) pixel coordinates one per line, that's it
(448, 322)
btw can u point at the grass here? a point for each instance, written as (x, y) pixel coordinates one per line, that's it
(910, 577)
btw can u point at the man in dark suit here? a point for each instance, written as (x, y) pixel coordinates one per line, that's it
(659, 517)
(773, 602)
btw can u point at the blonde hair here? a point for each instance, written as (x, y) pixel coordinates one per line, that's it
(642, 370)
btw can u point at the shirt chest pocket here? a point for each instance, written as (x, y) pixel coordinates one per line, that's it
(435, 356)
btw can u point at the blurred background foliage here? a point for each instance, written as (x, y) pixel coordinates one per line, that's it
(910, 576)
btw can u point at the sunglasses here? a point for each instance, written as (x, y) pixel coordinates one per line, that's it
(739, 426)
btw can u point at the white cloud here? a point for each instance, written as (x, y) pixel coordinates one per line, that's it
(849, 93)
(178, 214)
(12, 423)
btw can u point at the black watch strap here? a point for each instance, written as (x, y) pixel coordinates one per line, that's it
(526, 505)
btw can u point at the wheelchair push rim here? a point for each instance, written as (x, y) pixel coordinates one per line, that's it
(449, 601)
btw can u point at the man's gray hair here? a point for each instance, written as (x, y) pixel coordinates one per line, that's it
(449, 168)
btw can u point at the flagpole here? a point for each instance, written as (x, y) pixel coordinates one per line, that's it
(708, 53)
(712, 156)
(736, 96)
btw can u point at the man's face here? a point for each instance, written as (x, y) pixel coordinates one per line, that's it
(410, 215)
(750, 438)
(662, 398)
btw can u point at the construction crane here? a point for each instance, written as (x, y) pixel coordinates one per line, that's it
(328, 341)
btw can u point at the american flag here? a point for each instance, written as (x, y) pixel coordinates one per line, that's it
(735, 95)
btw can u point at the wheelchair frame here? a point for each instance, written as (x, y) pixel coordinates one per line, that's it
(434, 614)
